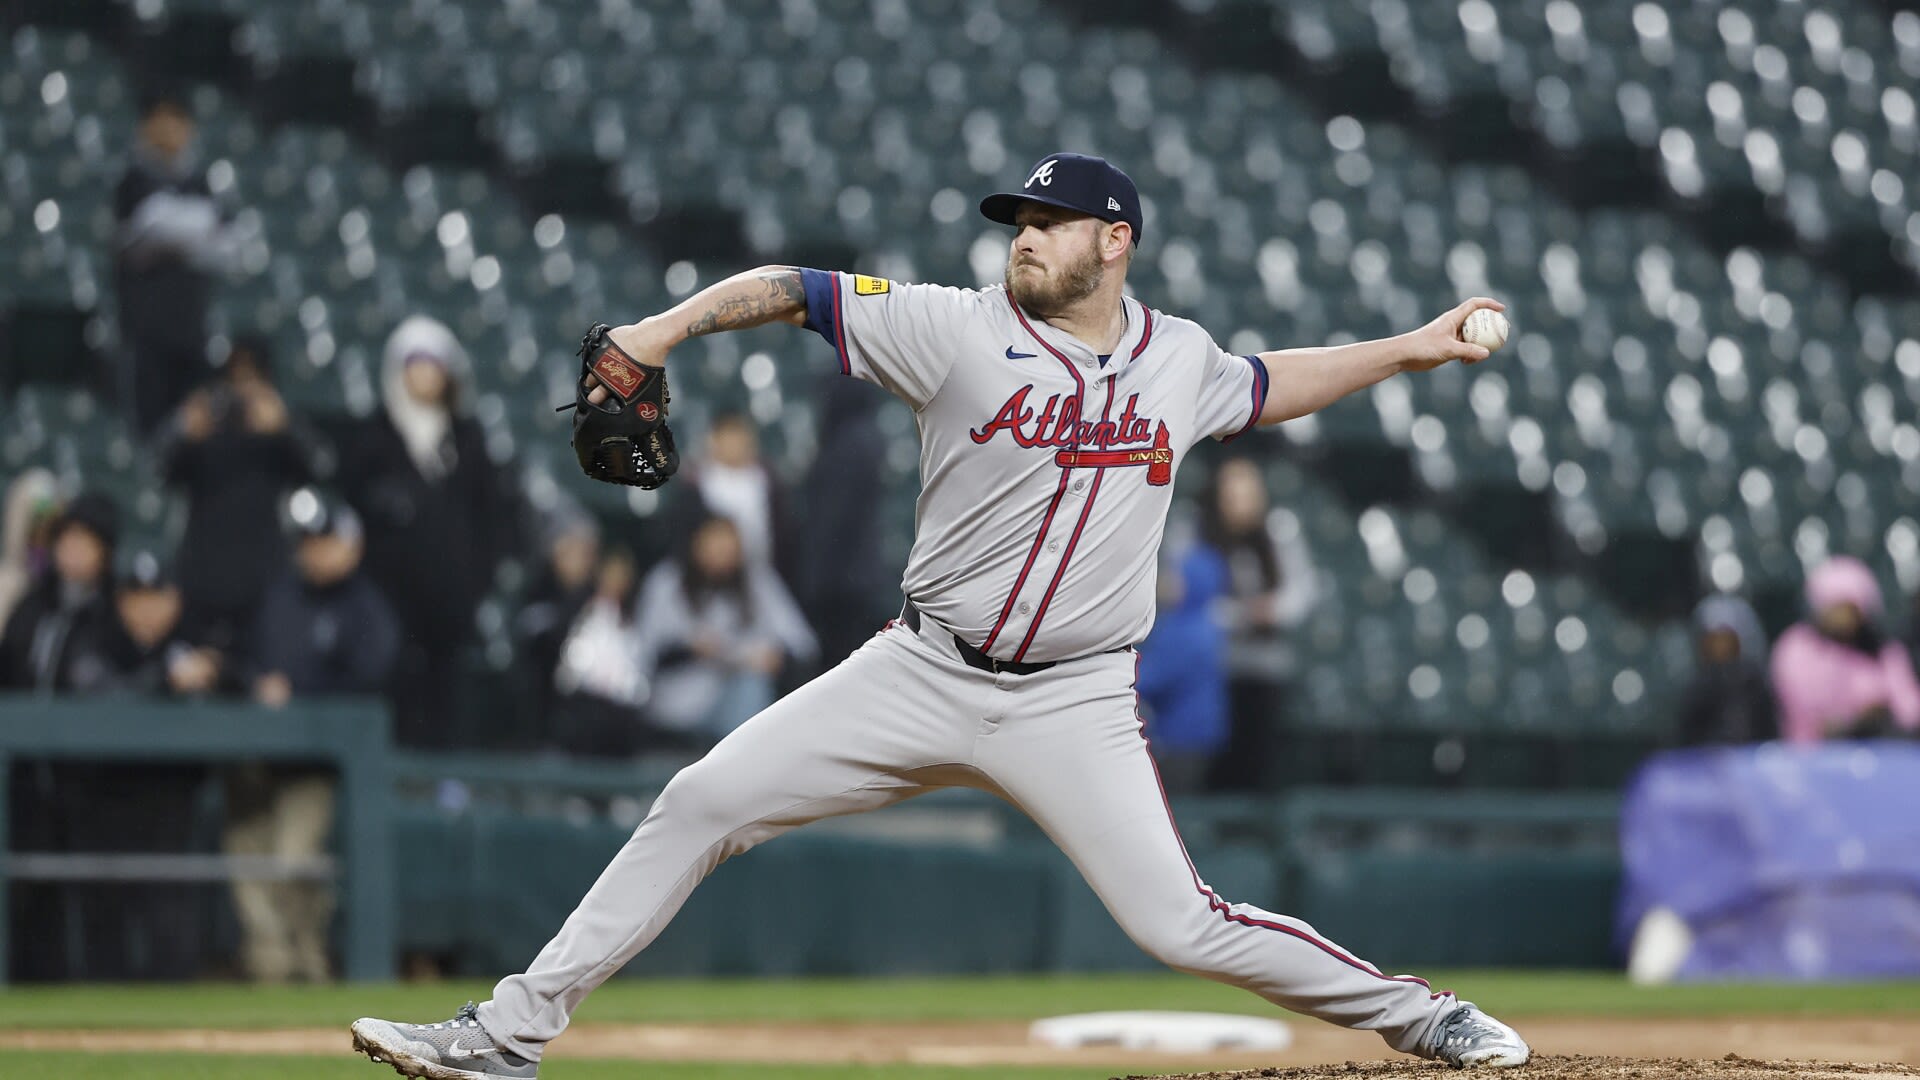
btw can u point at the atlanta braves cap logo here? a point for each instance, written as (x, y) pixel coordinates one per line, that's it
(1080, 182)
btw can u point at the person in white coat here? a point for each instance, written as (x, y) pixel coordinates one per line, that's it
(438, 518)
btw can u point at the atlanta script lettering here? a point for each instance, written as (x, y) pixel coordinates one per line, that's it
(1058, 424)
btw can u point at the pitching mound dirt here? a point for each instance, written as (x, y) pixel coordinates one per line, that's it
(1576, 1067)
(1772, 1048)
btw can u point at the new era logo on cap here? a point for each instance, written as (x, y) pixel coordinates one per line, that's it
(1080, 182)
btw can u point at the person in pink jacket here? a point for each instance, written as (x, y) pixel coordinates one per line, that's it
(1836, 675)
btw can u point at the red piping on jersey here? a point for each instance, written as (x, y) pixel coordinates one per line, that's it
(840, 330)
(1057, 354)
(1073, 541)
(1079, 397)
(1224, 909)
(1086, 511)
(1146, 334)
(1007, 608)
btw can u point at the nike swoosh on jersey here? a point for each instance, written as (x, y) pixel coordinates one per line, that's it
(1011, 355)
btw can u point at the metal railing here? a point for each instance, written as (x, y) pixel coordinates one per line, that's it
(348, 736)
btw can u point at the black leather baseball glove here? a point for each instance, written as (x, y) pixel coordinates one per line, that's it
(623, 439)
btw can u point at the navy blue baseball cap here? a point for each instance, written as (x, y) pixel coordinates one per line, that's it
(145, 569)
(1080, 182)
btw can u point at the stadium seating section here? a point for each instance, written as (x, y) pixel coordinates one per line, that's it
(1700, 220)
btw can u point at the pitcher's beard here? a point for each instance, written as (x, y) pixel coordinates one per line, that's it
(1047, 296)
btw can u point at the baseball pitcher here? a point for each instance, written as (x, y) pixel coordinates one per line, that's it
(1053, 412)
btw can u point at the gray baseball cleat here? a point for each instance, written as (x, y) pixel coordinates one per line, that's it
(1470, 1039)
(456, 1049)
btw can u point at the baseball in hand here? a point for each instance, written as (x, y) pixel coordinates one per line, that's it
(1486, 328)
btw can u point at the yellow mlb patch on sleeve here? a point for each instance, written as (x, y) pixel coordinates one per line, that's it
(870, 286)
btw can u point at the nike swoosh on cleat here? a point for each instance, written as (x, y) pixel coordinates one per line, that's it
(1011, 355)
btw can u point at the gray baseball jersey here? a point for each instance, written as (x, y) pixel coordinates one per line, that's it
(1046, 471)
(1046, 476)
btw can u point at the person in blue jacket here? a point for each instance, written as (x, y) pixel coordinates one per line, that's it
(1183, 674)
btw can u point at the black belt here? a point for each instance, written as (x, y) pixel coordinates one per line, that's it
(974, 657)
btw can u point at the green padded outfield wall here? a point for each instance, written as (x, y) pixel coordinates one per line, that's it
(1432, 909)
(798, 905)
(827, 904)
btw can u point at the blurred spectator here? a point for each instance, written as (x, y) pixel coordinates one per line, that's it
(1837, 675)
(234, 452)
(324, 629)
(735, 484)
(436, 517)
(125, 641)
(89, 637)
(846, 592)
(1729, 701)
(1270, 581)
(719, 628)
(156, 932)
(1182, 677)
(59, 637)
(151, 653)
(1269, 591)
(170, 240)
(601, 678)
(560, 588)
(32, 506)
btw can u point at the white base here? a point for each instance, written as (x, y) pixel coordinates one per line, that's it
(1660, 946)
(1167, 1032)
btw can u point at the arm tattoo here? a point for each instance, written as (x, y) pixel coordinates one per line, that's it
(755, 301)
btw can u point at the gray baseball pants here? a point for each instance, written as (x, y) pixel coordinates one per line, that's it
(904, 715)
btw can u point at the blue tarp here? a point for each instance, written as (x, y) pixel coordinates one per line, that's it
(1786, 862)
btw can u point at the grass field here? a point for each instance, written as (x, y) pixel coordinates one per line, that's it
(239, 1008)
(1507, 993)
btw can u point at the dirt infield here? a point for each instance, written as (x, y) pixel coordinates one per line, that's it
(1769, 1048)
(1731, 1067)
